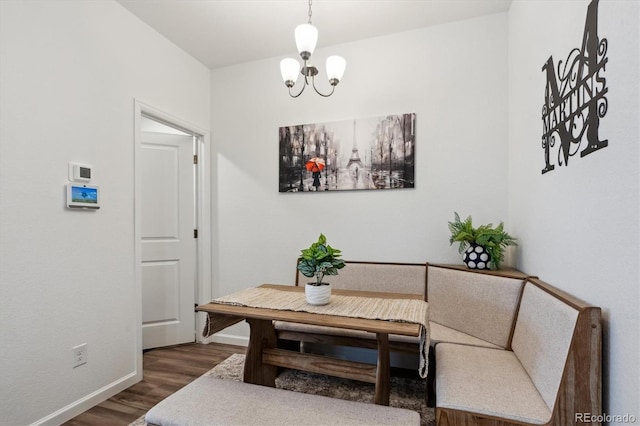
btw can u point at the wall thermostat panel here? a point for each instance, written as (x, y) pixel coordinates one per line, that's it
(79, 172)
(82, 196)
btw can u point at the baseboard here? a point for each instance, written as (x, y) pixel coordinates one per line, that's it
(80, 406)
(231, 339)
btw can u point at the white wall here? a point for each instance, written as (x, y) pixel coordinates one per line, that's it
(578, 224)
(454, 77)
(70, 73)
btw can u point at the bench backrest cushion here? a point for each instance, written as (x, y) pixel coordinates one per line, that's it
(478, 304)
(377, 276)
(542, 338)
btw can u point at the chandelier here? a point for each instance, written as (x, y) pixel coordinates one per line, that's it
(306, 39)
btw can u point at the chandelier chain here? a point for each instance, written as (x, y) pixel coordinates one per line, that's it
(310, 12)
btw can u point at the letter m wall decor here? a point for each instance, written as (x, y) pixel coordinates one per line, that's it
(574, 98)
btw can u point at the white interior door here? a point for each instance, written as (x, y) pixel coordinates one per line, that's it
(168, 244)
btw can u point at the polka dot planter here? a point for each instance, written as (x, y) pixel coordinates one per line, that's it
(476, 257)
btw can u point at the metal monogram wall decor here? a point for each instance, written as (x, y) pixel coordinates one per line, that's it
(575, 97)
(372, 153)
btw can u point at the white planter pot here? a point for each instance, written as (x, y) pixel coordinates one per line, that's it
(318, 294)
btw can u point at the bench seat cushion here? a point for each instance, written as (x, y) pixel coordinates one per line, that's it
(342, 332)
(489, 382)
(210, 401)
(438, 334)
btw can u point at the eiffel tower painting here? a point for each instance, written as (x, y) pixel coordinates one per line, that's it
(355, 156)
(363, 154)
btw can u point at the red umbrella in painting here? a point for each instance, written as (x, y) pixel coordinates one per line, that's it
(315, 164)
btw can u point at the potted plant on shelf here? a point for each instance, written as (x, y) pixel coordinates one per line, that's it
(481, 247)
(318, 260)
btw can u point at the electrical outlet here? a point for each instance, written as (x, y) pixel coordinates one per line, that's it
(79, 355)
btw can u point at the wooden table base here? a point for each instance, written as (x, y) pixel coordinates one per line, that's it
(383, 370)
(263, 359)
(262, 337)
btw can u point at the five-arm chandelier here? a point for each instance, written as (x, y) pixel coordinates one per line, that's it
(306, 39)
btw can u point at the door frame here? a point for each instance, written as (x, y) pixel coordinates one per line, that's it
(203, 215)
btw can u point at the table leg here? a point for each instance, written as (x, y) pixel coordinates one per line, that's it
(383, 371)
(262, 336)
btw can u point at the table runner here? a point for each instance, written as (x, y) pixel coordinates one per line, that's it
(401, 310)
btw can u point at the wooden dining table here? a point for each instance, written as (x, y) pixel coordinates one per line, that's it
(263, 357)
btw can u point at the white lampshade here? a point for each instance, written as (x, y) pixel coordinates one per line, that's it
(335, 67)
(290, 68)
(306, 38)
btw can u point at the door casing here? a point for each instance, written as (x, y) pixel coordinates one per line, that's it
(203, 215)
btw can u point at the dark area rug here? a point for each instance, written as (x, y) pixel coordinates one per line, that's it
(409, 393)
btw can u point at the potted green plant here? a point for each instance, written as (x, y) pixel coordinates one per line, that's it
(482, 247)
(318, 260)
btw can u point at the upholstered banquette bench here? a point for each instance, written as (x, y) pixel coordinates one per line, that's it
(510, 349)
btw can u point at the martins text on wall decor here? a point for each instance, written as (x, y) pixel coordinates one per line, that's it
(574, 99)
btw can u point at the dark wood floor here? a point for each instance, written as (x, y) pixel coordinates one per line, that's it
(166, 370)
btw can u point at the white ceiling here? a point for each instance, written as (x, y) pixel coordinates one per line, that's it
(226, 32)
